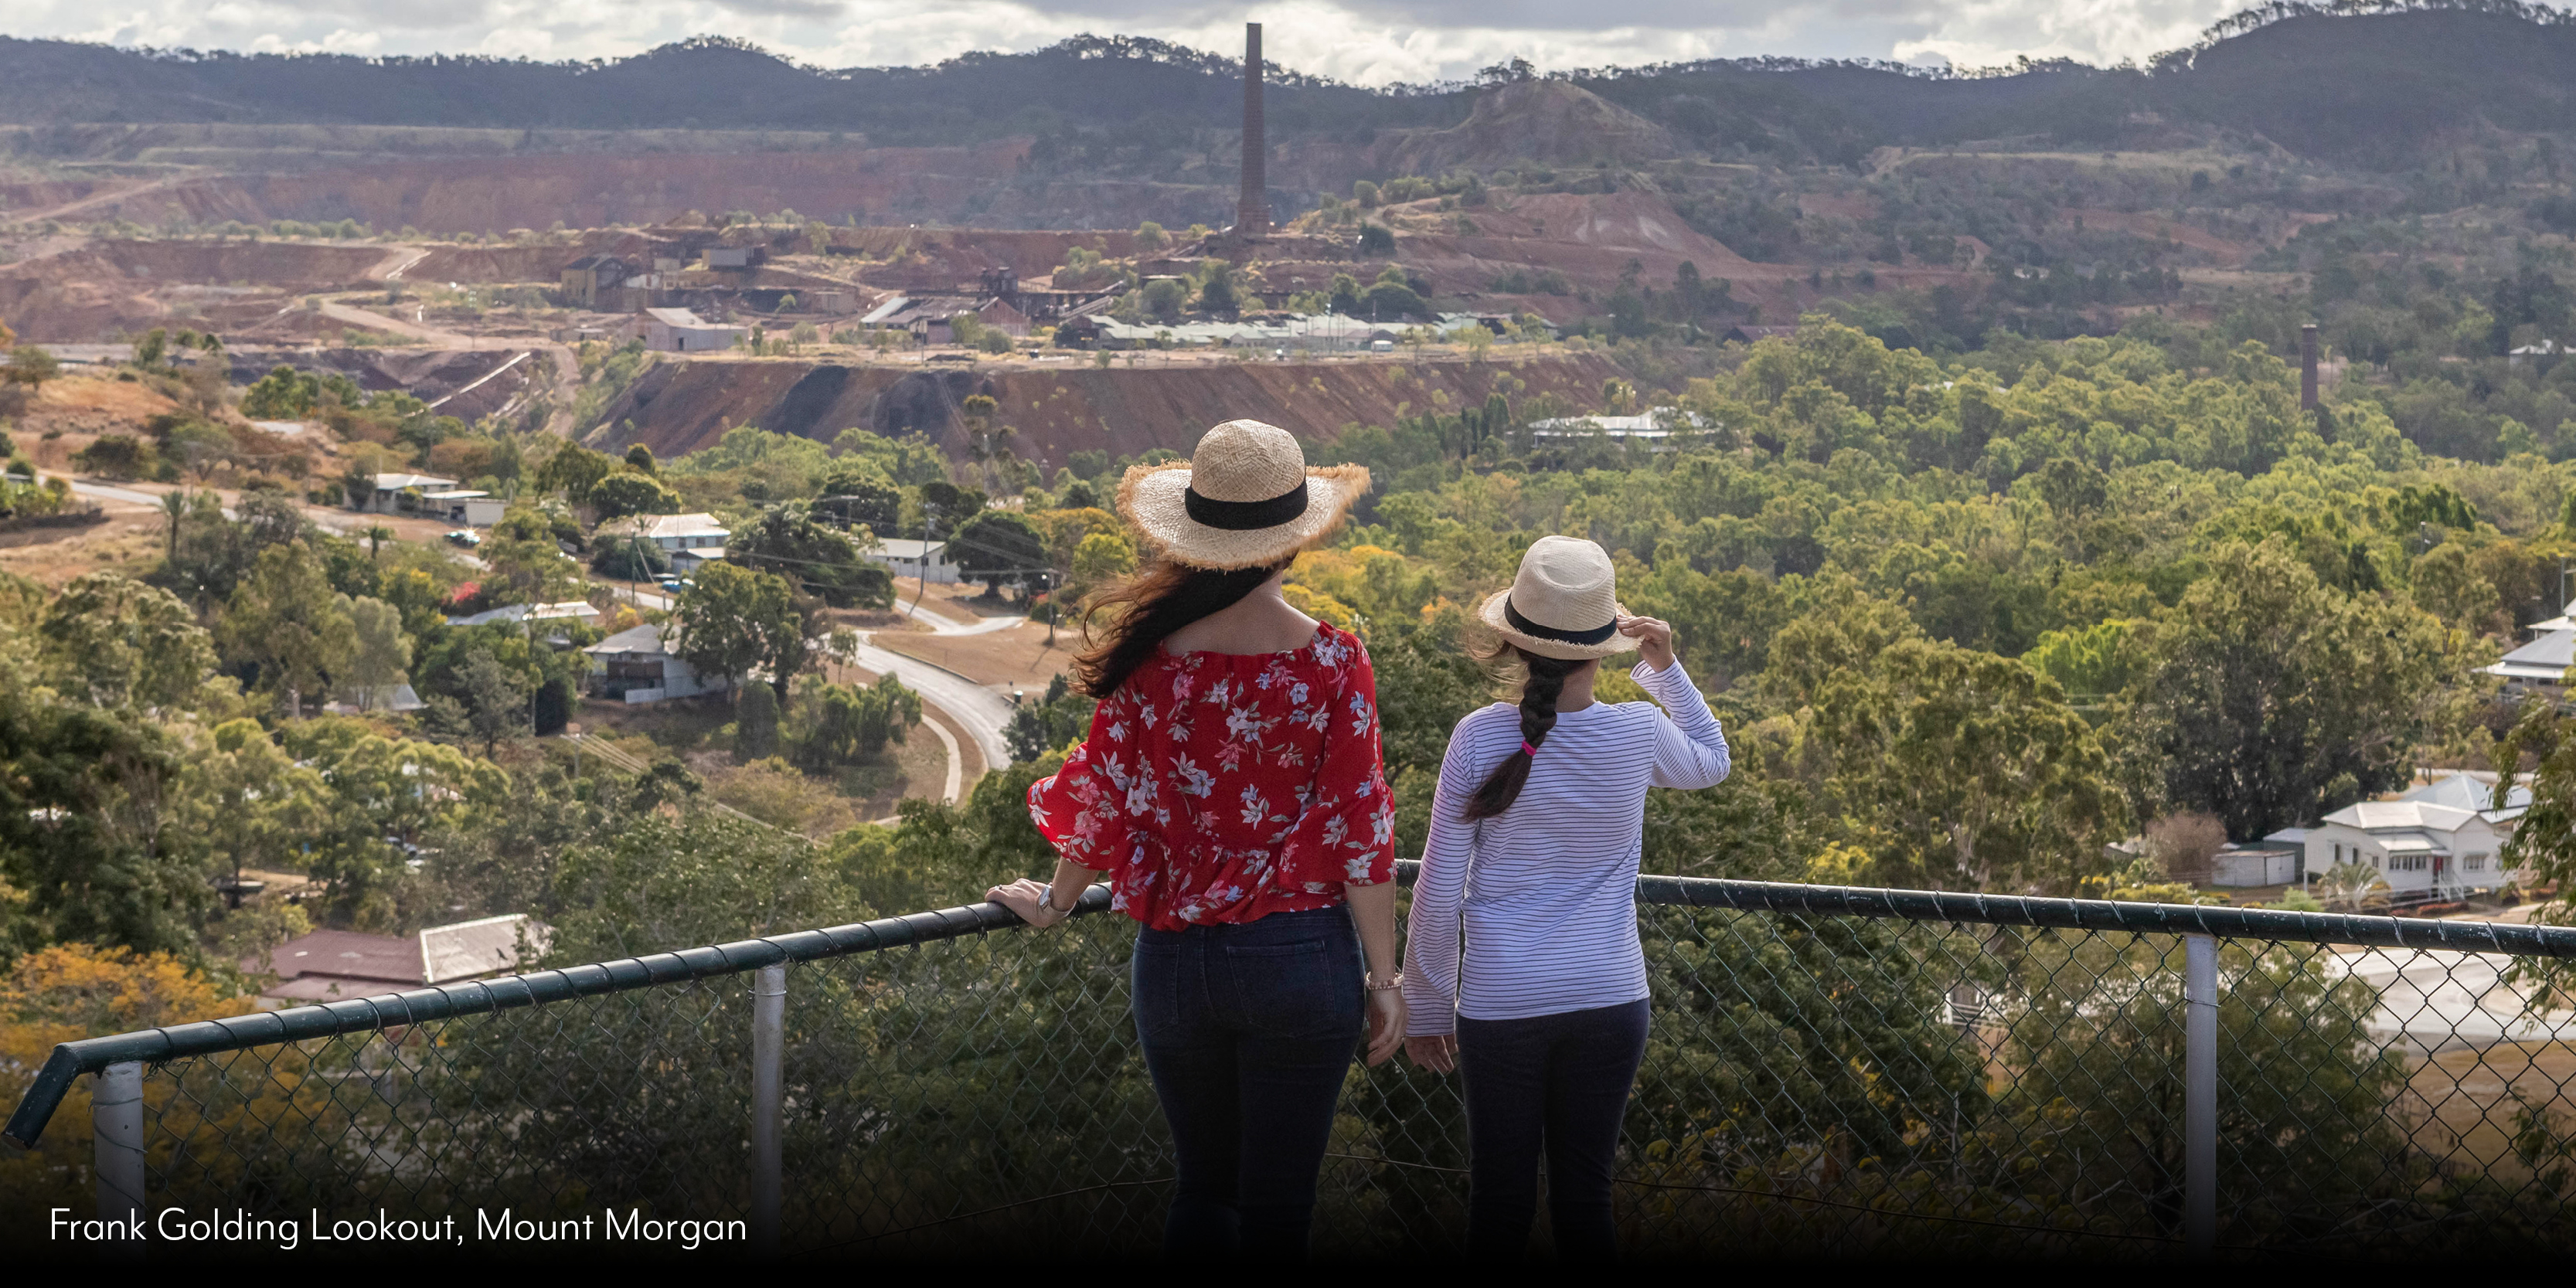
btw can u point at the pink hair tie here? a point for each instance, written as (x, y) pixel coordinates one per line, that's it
(1533, 751)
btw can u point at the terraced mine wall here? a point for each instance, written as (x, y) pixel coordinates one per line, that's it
(680, 407)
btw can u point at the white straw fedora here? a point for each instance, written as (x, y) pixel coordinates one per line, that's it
(1244, 500)
(1564, 602)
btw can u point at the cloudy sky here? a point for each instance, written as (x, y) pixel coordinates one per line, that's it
(1364, 41)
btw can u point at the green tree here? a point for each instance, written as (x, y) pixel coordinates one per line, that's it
(627, 493)
(117, 456)
(244, 802)
(755, 722)
(285, 619)
(639, 458)
(283, 394)
(786, 540)
(849, 724)
(574, 470)
(2448, 586)
(857, 493)
(2270, 697)
(29, 367)
(386, 796)
(496, 699)
(1001, 548)
(733, 620)
(1964, 770)
(117, 642)
(1046, 725)
(950, 506)
(383, 656)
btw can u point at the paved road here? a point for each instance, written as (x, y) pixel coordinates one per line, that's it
(108, 492)
(943, 624)
(338, 521)
(984, 714)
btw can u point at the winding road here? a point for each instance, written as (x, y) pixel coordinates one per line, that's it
(982, 712)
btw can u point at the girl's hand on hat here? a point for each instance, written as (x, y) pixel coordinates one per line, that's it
(1654, 638)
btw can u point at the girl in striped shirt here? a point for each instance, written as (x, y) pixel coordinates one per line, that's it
(1536, 829)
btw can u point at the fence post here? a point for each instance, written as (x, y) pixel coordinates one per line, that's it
(116, 1124)
(2200, 1094)
(768, 1042)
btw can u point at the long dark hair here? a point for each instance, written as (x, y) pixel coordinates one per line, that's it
(1545, 683)
(1147, 608)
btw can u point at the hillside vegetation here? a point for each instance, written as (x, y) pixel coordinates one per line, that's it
(2371, 84)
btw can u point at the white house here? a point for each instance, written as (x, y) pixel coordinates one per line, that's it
(913, 557)
(672, 532)
(634, 665)
(681, 331)
(696, 557)
(2421, 848)
(2475, 790)
(465, 507)
(390, 495)
(2539, 667)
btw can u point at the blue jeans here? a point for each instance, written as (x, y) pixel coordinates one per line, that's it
(1552, 1083)
(1248, 1032)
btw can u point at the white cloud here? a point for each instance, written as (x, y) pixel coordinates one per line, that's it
(1363, 41)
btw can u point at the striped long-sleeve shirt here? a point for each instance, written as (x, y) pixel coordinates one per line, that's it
(1544, 894)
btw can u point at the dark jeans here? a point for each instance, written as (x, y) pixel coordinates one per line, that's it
(1558, 1082)
(1248, 1031)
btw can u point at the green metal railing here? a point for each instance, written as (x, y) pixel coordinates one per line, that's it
(1831, 1071)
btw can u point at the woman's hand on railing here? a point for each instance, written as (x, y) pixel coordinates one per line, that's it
(1385, 1024)
(1438, 1052)
(1021, 897)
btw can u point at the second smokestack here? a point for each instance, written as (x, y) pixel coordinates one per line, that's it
(2308, 367)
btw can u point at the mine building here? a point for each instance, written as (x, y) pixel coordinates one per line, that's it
(591, 281)
(682, 331)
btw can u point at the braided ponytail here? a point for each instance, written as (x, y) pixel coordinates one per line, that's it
(1539, 693)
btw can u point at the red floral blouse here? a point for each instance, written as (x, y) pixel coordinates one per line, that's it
(1223, 788)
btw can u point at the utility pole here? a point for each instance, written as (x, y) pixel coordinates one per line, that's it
(922, 565)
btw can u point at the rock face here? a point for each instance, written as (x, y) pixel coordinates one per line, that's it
(1057, 408)
(1549, 122)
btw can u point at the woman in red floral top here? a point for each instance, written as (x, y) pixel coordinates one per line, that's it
(1232, 789)
(1222, 788)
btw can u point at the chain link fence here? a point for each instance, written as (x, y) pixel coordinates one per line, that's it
(1831, 1072)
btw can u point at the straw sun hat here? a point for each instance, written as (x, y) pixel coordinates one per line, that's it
(1244, 500)
(1564, 602)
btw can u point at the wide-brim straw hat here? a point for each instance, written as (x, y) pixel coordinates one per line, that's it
(1564, 602)
(1245, 499)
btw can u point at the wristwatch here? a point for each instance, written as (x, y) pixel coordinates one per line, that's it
(1046, 901)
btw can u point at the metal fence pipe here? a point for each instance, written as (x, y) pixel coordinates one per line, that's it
(768, 1158)
(116, 1121)
(2200, 1094)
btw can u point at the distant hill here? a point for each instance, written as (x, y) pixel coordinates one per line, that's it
(2365, 88)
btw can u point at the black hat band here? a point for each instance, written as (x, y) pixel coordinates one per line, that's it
(1527, 627)
(1245, 516)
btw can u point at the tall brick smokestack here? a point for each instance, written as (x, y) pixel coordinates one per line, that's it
(1252, 209)
(2308, 367)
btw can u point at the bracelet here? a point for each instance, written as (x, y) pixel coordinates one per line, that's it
(1395, 980)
